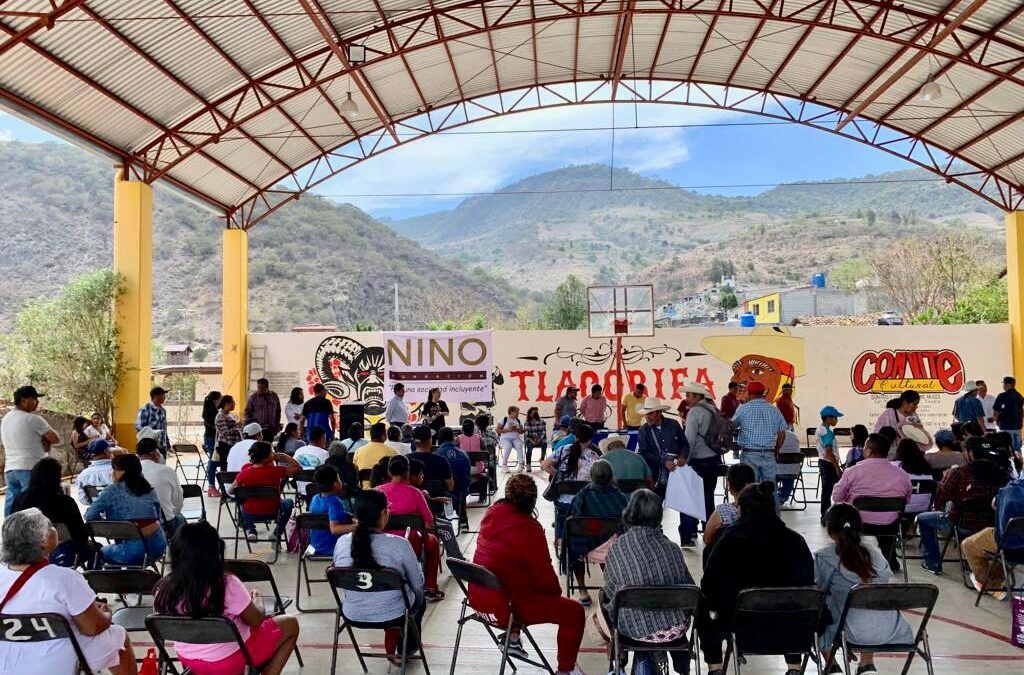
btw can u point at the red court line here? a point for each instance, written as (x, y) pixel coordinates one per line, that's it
(969, 626)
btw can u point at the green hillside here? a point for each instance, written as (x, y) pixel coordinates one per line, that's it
(314, 262)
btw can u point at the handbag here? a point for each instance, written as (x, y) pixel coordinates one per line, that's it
(551, 491)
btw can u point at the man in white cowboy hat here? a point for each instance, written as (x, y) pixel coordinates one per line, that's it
(626, 465)
(238, 456)
(968, 407)
(762, 431)
(661, 442)
(701, 457)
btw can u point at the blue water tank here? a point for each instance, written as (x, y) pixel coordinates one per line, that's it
(747, 320)
(818, 280)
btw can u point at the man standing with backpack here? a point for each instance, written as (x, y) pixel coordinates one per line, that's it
(704, 430)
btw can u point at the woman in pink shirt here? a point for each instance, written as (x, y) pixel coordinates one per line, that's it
(404, 498)
(197, 587)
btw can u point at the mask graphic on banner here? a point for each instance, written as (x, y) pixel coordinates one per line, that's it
(351, 371)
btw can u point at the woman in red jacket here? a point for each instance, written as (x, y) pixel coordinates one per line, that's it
(512, 544)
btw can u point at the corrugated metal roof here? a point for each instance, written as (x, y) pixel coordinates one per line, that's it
(228, 97)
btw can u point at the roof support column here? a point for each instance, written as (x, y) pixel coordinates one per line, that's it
(235, 314)
(1015, 288)
(133, 259)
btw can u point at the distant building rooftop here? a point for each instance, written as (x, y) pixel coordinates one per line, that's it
(178, 349)
(840, 320)
(314, 329)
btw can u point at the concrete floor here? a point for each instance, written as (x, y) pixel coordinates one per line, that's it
(964, 639)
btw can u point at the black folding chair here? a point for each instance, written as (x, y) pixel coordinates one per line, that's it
(206, 631)
(590, 527)
(92, 492)
(465, 573)
(777, 621)
(888, 505)
(791, 460)
(308, 522)
(305, 477)
(194, 491)
(30, 628)
(569, 487)
(476, 479)
(889, 598)
(178, 449)
(723, 473)
(407, 523)
(117, 531)
(978, 506)
(630, 486)
(259, 572)
(654, 599)
(122, 583)
(225, 479)
(244, 494)
(356, 580)
(1009, 558)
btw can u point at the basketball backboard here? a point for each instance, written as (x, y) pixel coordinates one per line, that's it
(620, 311)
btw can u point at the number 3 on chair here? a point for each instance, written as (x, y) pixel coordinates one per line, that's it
(364, 580)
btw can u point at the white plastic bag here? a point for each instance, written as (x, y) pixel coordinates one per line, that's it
(685, 493)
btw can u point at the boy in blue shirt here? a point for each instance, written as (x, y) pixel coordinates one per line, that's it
(329, 502)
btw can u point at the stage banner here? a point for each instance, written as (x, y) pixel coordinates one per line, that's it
(458, 362)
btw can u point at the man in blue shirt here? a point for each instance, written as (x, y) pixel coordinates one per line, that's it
(968, 408)
(329, 502)
(762, 431)
(1009, 412)
(660, 442)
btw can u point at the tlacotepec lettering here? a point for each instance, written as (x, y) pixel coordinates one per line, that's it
(892, 371)
(541, 386)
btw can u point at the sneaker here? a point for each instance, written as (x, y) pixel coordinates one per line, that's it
(931, 569)
(974, 581)
(252, 536)
(515, 649)
(213, 492)
(433, 595)
(688, 543)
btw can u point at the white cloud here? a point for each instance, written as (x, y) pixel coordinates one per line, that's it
(483, 162)
(6, 135)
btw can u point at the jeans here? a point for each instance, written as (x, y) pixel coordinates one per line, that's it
(171, 526)
(644, 663)
(284, 512)
(829, 478)
(17, 482)
(1014, 440)
(707, 469)
(134, 551)
(930, 526)
(764, 466)
(507, 445)
(543, 445)
(210, 444)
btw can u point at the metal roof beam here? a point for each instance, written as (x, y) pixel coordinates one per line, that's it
(826, 5)
(750, 43)
(361, 82)
(912, 61)
(396, 47)
(439, 33)
(623, 32)
(704, 42)
(44, 20)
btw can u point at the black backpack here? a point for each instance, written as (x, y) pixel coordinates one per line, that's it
(721, 431)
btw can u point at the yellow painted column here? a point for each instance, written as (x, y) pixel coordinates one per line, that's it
(1015, 288)
(133, 259)
(235, 315)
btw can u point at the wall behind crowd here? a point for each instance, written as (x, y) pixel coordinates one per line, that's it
(853, 368)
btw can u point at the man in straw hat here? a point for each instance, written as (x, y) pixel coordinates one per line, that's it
(762, 431)
(661, 443)
(968, 408)
(701, 457)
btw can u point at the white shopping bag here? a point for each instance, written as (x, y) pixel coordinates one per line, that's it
(685, 493)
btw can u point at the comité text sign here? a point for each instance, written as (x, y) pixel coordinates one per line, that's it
(457, 362)
(891, 371)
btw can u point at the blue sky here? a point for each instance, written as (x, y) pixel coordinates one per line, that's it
(483, 162)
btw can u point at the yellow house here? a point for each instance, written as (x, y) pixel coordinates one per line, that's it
(766, 309)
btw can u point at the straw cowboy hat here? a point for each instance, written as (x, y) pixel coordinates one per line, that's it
(613, 438)
(969, 386)
(695, 388)
(773, 342)
(652, 404)
(915, 434)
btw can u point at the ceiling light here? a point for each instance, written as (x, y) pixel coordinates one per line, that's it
(356, 54)
(349, 108)
(930, 91)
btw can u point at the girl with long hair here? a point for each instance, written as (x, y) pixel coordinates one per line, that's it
(849, 562)
(130, 497)
(228, 432)
(293, 408)
(210, 407)
(198, 587)
(44, 492)
(570, 463)
(368, 547)
(434, 410)
(290, 441)
(858, 437)
(910, 458)
(79, 438)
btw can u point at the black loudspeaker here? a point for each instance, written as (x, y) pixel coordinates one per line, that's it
(349, 414)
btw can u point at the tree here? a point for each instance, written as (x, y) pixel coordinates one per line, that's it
(727, 299)
(982, 303)
(720, 268)
(846, 274)
(67, 345)
(872, 217)
(199, 354)
(568, 307)
(181, 393)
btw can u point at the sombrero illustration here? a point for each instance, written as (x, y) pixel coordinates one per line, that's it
(772, 342)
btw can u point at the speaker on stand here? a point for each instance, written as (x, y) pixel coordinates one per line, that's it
(349, 414)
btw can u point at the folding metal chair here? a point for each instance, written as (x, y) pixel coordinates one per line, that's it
(654, 599)
(225, 479)
(889, 598)
(92, 492)
(793, 459)
(307, 522)
(119, 530)
(777, 621)
(465, 573)
(206, 631)
(178, 449)
(569, 487)
(257, 572)
(408, 523)
(476, 479)
(126, 582)
(194, 491)
(31, 628)
(590, 527)
(630, 486)
(244, 494)
(1009, 558)
(353, 579)
(888, 505)
(306, 477)
(980, 505)
(723, 473)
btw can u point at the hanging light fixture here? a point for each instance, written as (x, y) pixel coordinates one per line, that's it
(349, 108)
(930, 90)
